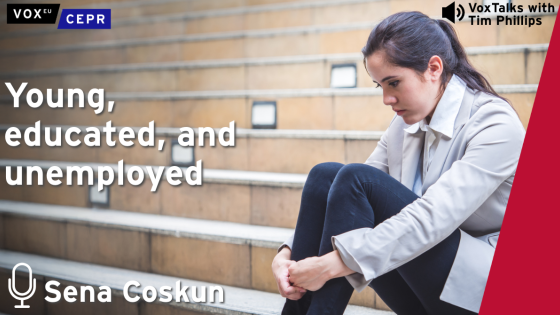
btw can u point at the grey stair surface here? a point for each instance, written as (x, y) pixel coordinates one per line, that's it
(236, 300)
(219, 231)
(218, 36)
(280, 93)
(194, 38)
(197, 64)
(208, 175)
(196, 14)
(242, 132)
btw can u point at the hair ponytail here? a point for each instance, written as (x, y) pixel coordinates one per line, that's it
(462, 68)
(410, 39)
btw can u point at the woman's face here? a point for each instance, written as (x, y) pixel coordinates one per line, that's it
(410, 95)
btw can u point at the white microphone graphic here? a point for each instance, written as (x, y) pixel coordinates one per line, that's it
(22, 296)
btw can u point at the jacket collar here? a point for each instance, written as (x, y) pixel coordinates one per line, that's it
(444, 117)
(413, 141)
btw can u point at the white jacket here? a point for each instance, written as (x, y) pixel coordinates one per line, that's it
(467, 186)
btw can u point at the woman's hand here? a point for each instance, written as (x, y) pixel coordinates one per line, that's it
(312, 273)
(280, 266)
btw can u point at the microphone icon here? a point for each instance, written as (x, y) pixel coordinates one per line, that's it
(22, 296)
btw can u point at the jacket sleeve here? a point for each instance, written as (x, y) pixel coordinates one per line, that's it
(288, 243)
(494, 139)
(378, 157)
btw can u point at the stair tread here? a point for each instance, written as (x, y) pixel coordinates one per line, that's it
(241, 300)
(197, 37)
(279, 93)
(326, 28)
(221, 231)
(209, 175)
(245, 133)
(197, 64)
(294, 5)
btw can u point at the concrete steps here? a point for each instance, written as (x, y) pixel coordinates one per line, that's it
(227, 253)
(179, 18)
(308, 109)
(508, 64)
(260, 198)
(182, 20)
(238, 301)
(287, 41)
(126, 9)
(281, 151)
(202, 63)
(121, 9)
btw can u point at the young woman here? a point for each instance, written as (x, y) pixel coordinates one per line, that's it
(419, 221)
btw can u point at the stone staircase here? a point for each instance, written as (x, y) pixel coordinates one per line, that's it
(203, 63)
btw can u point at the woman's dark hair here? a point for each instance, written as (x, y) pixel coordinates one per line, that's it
(410, 39)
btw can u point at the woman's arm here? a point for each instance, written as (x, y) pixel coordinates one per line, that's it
(491, 156)
(378, 157)
(288, 243)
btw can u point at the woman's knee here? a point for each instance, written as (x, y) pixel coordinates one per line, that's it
(320, 179)
(324, 172)
(356, 170)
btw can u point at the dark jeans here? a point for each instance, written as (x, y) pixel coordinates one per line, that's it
(338, 198)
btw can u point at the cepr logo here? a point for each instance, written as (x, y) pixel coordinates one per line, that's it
(26, 295)
(29, 13)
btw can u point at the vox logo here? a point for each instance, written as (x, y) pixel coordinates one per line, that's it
(32, 13)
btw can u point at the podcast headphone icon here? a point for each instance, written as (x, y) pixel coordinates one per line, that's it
(22, 296)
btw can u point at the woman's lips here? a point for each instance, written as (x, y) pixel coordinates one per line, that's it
(399, 112)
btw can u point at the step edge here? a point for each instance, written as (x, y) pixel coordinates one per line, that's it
(254, 178)
(251, 62)
(311, 134)
(217, 36)
(180, 227)
(272, 300)
(9, 258)
(279, 93)
(202, 14)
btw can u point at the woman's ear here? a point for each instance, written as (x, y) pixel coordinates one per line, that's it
(435, 68)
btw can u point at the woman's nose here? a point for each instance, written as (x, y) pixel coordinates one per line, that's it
(389, 99)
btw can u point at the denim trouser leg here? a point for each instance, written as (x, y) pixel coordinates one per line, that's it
(338, 198)
(309, 227)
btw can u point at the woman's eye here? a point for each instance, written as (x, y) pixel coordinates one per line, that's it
(394, 83)
(378, 85)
